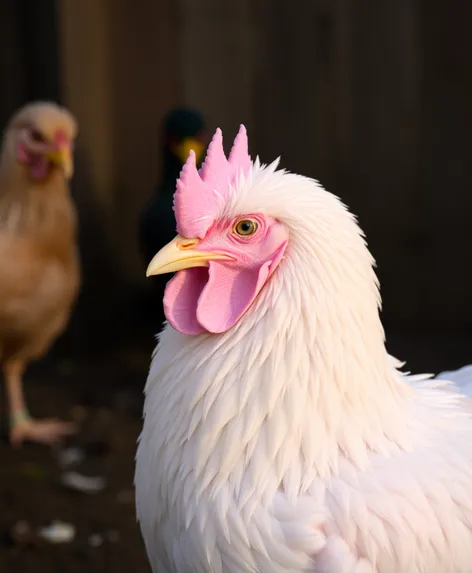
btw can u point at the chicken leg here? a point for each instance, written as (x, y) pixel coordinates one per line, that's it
(22, 426)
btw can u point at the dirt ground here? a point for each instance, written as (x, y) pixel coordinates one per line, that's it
(104, 397)
(103, 392)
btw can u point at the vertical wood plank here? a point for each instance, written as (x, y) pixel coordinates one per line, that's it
(145, 77)
(384, 146)
(446, 160)
(217, 62)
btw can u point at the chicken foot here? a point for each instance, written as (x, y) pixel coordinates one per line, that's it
(22, 426)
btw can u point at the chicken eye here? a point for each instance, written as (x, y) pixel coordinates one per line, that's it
(245, 227)
(36, 136)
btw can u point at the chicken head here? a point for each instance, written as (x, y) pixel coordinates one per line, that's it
(222, 263)
(41, 136)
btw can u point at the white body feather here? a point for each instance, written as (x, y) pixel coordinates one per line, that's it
(461, 377)
(292, 443)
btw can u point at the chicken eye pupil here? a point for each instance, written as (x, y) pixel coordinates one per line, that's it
(36, 136)
(246, 227)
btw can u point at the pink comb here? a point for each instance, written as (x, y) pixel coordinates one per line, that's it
(199, 197)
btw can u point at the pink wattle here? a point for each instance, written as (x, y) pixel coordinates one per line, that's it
(213, 300)
(22, 152)
(38, 164)
(181, 299)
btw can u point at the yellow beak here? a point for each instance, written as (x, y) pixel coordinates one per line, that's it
(180, 254)
(62, 157)
(183, 150)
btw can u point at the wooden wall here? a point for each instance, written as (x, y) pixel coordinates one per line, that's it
(118, 76)
(371, 98)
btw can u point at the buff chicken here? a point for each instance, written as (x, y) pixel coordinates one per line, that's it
(39, 274)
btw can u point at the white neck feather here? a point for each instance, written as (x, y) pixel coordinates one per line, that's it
(301, 380)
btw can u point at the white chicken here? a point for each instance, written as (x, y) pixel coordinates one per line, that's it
(279, 435)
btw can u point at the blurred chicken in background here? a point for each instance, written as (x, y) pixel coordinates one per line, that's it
(183, 129)
(39, 271)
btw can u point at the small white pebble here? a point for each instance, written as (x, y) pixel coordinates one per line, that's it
(86, 484)
(95, 540)
(58, 532)
(113, 536)
(71, 456)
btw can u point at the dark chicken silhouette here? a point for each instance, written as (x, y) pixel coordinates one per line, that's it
(183, 129)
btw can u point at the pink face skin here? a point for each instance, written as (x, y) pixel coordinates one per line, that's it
(214, 298)
(35, 152)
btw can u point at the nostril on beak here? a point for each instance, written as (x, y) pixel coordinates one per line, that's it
(187, 244)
